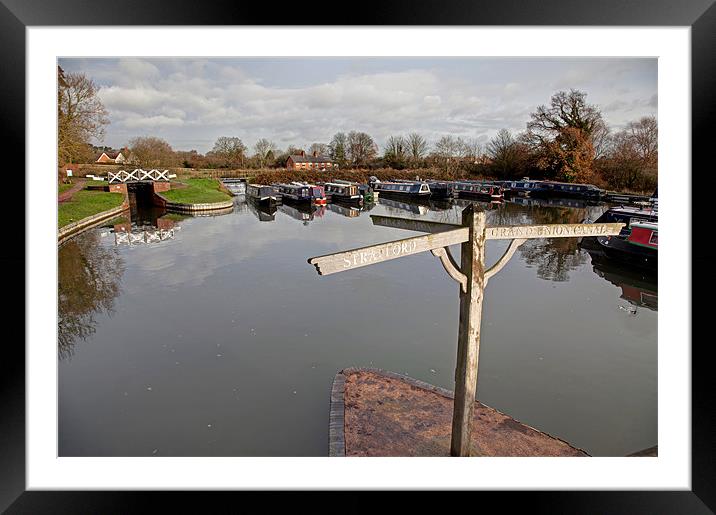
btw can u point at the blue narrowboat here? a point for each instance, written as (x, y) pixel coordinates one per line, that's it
(566, 189)
(479, 190)
(401, 189)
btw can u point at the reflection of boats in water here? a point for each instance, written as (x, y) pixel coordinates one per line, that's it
(349, 211)
(638, 289)
(265, 212)
(553, 202)
(484, 204)
(303, 212)
(416, 208)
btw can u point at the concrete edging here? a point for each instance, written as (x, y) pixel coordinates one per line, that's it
(178, 206)
(75, 228)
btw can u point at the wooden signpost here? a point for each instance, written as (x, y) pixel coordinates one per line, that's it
(470, 274)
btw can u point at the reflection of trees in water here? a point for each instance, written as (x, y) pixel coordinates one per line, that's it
(88, 282)
(552, 257)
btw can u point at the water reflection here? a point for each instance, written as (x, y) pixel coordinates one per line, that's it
(234, 333)
(344, 210)
(264, 212)
(302, 212)
(89, 277)
(639, 289)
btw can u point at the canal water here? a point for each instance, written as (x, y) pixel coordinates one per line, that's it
(212, 335)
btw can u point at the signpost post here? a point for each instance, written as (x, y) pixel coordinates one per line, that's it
(470, 274)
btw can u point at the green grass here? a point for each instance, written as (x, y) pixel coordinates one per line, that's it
(96, 183)
(86, 203)
(63, 187)
(198, 191)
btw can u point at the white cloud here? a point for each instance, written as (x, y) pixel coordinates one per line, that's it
(299, 102)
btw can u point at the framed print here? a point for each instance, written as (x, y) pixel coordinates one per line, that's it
(229, 316)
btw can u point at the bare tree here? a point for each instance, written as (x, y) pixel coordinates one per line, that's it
(396, 152)
(506, 154)
(473, 150)
(231, 150)
(417, 147)
(361, 148)
(645, 137)
(320, 149)
(81, 116)
(152, 152)
(265, 150)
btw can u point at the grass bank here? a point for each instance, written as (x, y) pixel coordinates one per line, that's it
(197, 191)
(86, 203)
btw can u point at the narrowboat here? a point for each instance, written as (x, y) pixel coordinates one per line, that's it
(639, 246)
(442, 189)
(318, 195)
(299, 193)
(479, 190)
(401, 189)
(523, 187)
(345, 193)
(261, 193)
(365, 190)
(566, 189)
(637, 241)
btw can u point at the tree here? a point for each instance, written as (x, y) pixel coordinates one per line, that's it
(152, 152)
(361, 148)
(338, 149)
(473, 150)
(81, 116)
(509, 156)
(644, 135)
(320, 149)
(631, 162)
(448, 152)
(417, 148)
(231, 150)
(561, 134)
(264, 151)
(396, 152)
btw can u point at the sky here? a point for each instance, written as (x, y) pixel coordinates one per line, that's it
(190, 102)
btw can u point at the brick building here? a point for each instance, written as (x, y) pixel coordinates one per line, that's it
(310, 162)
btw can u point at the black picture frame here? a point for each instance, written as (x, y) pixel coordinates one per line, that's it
(17, 15)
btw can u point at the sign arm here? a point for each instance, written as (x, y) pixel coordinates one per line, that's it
(514, 245)
(451, 267)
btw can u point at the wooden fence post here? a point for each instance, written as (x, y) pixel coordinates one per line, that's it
(472, 264)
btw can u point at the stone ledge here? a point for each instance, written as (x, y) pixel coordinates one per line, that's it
(75, 228)
(379, 413)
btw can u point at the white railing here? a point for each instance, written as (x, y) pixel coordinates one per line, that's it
(139, 175)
